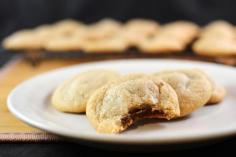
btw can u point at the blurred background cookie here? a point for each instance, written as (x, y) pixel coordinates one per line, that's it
(137, 30)
(104, 28)
(170, 38)
(217, 39)
(23, 40)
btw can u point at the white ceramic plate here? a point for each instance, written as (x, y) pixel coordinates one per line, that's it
(29, 102)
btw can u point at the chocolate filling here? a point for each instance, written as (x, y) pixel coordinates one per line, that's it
(138, 113)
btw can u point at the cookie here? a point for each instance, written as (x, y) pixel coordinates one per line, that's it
(60, 36)
(215, 47)
(193, 88)
(66, 43)
(117, 105)
(218, 94)
(73, 94)
(21, 40)
(66, 27)
(176, 29)
(217, 39)
(38, 38)
(170, 38)
(136, 30)
(102, 37)
(106, 45)
(161, 44)
(103, 29)
(218, 91)
(218, 29)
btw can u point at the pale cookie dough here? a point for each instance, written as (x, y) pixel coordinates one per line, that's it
(117, 105)
(193, 88)
(73, 94)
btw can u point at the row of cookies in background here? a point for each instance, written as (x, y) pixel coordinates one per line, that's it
(105, 36)
(112, 101)
(148, 36)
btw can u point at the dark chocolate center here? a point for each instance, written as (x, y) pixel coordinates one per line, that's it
(139, 113)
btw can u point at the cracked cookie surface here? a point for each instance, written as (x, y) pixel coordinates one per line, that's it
(117, 105)
(73, 94)
(192, 87)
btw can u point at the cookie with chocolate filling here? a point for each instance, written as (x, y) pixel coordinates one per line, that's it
(117, 105)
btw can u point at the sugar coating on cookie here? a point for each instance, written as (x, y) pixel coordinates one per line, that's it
(193, 88)
(117, 105)
(72, 95)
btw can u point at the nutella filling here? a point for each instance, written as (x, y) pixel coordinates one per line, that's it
(138, 113)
